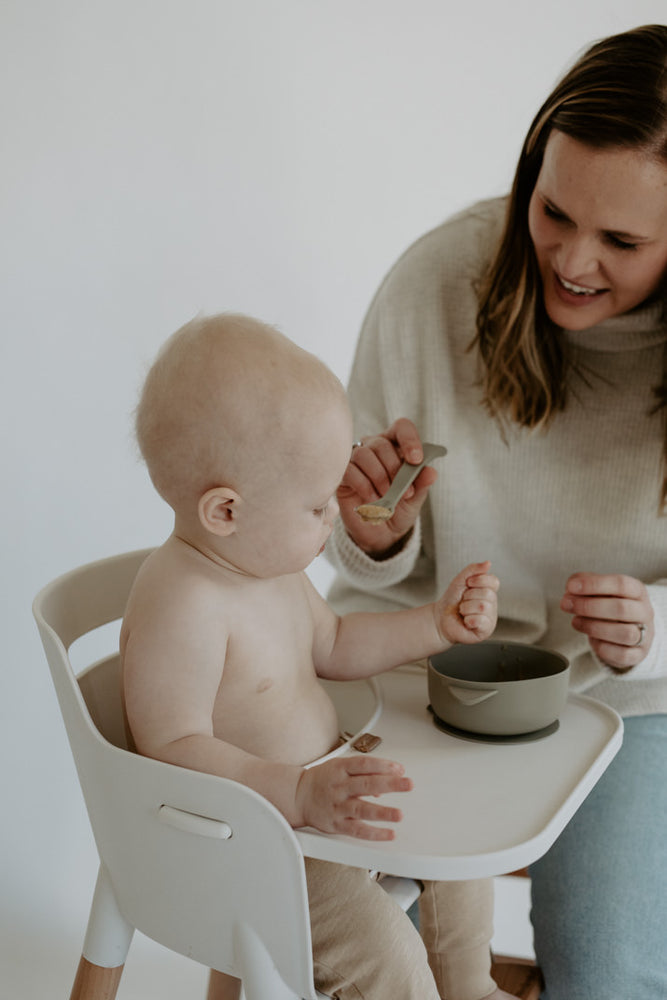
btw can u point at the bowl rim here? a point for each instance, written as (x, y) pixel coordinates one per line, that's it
(563, 671)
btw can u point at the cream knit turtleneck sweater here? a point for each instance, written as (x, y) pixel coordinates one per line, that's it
(582, 496)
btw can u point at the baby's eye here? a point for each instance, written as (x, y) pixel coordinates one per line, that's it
(321, 511)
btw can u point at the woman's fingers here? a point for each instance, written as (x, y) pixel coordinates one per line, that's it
(372, 468)
(406, 436)
(615, 612)
(619, 633)
(608, 600)
(612, 584)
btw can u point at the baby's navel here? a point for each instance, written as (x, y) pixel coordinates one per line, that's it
(264, 685)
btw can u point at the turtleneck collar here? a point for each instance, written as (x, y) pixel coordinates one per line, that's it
(639, 329)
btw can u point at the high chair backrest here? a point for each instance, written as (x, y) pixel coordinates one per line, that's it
(203, 865)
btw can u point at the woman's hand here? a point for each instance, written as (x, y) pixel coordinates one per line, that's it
(371, 471)
(616, 614)
(468, 610)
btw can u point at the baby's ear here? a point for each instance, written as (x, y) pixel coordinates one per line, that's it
(218, 510)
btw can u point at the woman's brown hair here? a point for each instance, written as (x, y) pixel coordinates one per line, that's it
(614, 96)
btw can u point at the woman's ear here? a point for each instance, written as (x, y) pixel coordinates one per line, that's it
(218, 510)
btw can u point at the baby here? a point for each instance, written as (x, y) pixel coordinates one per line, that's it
(246, 437)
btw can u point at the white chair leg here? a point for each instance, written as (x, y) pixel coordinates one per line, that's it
(108, 936)
(259, 975)
(404, 891)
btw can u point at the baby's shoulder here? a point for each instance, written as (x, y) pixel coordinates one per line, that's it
(171, 590)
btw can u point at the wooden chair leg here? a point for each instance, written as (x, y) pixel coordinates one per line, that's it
(222, 987)
(518, 976)
(93, 982)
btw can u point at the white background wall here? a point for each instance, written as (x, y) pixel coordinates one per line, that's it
(161, 158)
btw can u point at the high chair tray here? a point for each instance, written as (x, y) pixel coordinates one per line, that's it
(477, 809)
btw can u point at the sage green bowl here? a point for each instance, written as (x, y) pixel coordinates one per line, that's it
(498, 688)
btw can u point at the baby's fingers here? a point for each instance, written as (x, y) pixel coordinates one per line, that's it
(361, 814)
(377, 784)
(361, 764)
(478, 626)
(366, 775)
(486, 581)
(473, 578)
(481, 599)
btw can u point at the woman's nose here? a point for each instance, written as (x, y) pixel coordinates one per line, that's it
(577, 258)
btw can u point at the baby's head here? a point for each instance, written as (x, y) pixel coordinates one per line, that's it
(231, 402)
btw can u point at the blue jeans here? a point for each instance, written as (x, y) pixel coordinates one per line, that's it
(599, 896)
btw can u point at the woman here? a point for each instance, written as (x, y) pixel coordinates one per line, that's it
(529, 335)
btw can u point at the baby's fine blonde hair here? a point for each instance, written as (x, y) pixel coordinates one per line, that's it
(224, 395)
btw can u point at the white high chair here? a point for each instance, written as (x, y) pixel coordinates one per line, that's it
(203, 865)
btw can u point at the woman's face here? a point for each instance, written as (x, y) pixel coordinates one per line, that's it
(598, 222)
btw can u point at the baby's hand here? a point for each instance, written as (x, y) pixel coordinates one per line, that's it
(328, 796)
(468, 610)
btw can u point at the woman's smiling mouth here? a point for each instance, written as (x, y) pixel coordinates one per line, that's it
(572, 293)
(578, 289)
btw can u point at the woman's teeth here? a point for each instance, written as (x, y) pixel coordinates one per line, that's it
(577, 289)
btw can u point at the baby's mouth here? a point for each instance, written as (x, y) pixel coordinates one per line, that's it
(582, 290)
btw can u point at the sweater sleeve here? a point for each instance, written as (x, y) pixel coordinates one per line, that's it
(365, 573)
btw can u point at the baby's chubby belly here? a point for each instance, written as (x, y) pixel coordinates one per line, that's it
(293, 723)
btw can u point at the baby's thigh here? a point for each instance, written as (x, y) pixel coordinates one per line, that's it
(363, 942)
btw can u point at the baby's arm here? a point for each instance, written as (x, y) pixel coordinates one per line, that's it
(172, 667)
(362, 644)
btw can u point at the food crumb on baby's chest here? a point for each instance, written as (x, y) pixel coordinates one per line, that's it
(264, 684)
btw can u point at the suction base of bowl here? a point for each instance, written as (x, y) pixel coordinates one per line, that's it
(464, 734)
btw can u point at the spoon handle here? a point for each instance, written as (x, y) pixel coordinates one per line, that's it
(408, 473)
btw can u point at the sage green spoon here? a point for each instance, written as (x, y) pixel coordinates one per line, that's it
(381, 510)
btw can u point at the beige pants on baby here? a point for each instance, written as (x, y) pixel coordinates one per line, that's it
(366, 948)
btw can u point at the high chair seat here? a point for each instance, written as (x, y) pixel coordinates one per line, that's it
(203, 865)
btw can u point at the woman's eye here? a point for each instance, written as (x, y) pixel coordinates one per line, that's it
(614, 241)
(619, 243)
(553, 213)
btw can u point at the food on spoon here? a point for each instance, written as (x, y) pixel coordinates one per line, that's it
(373, 513)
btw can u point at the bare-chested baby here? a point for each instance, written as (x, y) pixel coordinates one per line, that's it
(246, 436)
